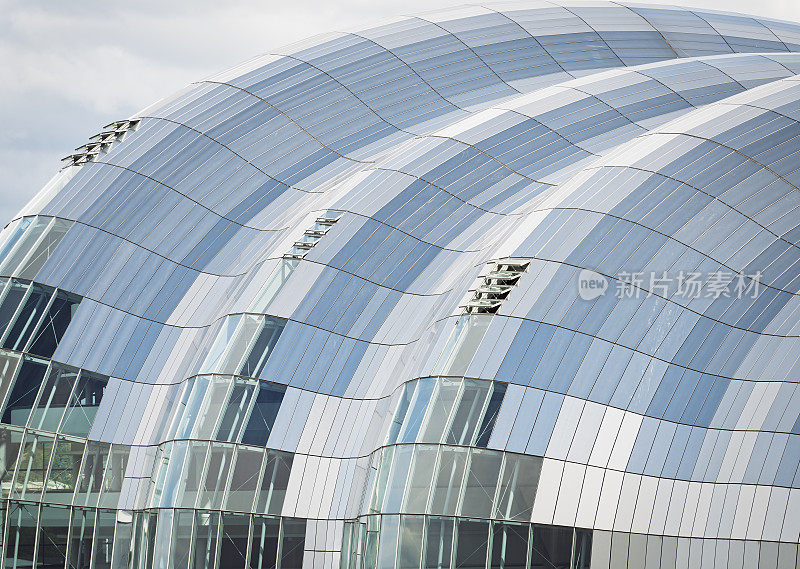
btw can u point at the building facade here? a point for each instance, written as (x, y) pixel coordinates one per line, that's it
(510, 286)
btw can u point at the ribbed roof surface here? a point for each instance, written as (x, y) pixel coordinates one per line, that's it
(620, 139)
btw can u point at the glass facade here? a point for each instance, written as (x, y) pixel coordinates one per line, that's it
(496, 287)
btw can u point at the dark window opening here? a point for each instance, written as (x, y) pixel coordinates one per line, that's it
(28, 318)
(262, 347)
(294, 539)
(490, 416)
(552, 547)
(473, 539)
(509, 546)
(23, 394)
(262, 417)
(54, 324)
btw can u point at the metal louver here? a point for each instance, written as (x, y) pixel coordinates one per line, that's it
(495, 286)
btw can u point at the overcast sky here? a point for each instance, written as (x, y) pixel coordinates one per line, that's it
(68, 68)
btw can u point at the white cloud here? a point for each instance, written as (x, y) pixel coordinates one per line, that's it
(68, 68)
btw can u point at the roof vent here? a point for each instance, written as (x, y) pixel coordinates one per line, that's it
(312, 235)
(493, 288)
(100, 143)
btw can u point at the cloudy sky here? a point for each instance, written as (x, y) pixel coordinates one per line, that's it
(68, 68)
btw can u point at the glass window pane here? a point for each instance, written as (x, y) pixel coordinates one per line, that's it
(239, 344)
(123, 532)
(509, 546)
(12, 234)
(396, 484)
(21, 536)
(23, 393)
(350, 549)
(45, 247)
(145, 539)
(205, 542)
(387, 545)
(214, 400)
(481, 482)
(28, 317)
(490, 415)
(181, 538)
(85, 400)
(400, 413)
(449, 475)
(274, 482)
(53, 532)
(10, 444)
(91, 479)
(216, 476)
(217, 351)
(161, 545)
(199, 385)
(192, 474)
(15, 292)
(438, 543)
(115, 473)
(416, 414)
(273, 284)
(54, 398)
(472, 544)
(409, 553)
(518, 487)
(552, 547)
(294, 539)
(439, 414)
(179, 415)
(264, 543)
(32, 466)
(9, 363)
(54, 324)
(235, 410)
(419, 481)
(65, 468)
(384, 467)
(244, 479)
(233, 541)
(80, 547)
(27, 242)
(583, 549)
(371, 542)
(469, 412)
(263, 346)
(463, 343)
(262, 417)
(170, 461)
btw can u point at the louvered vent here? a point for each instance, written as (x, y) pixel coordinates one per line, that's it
(494, 287)
(100, 143)
(312, 235)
